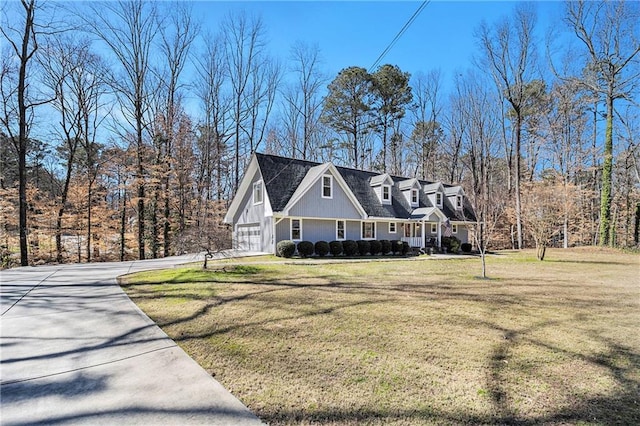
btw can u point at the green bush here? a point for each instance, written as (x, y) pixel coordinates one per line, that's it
(350, 247)
(396, 246)
(405, 248)
(305, 248)
(452, 244)
(364, 247)
(385, 246)
(465, 247)
(321, 248)
(285, 248)
(335, 247)
(374, 247)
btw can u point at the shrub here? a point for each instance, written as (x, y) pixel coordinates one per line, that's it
(396, 246)
(335, 247)
(452, 244)
(285, 248)
(465, 247)
(385, 246)
(350, 247)
(305, 248)
(321, 248)
(405, 248)
(364, 247)
(374, 247)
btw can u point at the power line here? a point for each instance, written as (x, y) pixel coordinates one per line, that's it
(400, 33)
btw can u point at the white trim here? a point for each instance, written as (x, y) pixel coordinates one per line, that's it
(330, 196)
(312, 177)
(291, 228)
(417, 197)
(245, 184)
(454, 228)
(441, 194)
(362, 237)
(434, 228)
(459, 202)
(344, 229)
(259, 184)
(395, 228)
(383, 199)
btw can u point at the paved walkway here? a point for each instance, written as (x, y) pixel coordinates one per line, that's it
(74, 349)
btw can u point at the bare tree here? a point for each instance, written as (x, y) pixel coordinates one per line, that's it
(609, 32)
(243, 48)
(508, 50)
(215, 128)
(176, 38)
(478, 115)
(302, 103)
(18, 101)
(128, 29)
(427, 130)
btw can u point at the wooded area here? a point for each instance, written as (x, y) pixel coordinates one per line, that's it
(125, 131)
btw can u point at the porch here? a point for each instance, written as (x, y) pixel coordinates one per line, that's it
(420, 234)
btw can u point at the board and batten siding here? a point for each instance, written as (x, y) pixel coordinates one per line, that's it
(255, 214)
(339, 206)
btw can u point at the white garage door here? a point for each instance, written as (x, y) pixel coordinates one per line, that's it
(248, 238)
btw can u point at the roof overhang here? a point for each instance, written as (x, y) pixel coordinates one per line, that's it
(245, 183)
(426, 212)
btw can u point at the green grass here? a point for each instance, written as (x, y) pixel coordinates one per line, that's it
(414, 342)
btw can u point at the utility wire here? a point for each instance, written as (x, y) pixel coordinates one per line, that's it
(400, 33)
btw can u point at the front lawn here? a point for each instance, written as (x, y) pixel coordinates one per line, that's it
(414, 342)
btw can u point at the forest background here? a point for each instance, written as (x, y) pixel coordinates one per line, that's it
(126, 127)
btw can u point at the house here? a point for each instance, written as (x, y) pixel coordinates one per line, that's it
(288, 199)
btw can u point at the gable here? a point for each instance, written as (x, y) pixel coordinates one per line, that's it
(311, 202)
(307, 200)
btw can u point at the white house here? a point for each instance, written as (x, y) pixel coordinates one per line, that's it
(288, 199)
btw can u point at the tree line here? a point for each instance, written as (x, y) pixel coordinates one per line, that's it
(126, 127)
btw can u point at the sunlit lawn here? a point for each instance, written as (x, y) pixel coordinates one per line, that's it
(415, 342)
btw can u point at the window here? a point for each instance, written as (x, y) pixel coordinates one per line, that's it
(392, 227)
(414, 197)
(454, 228)
(434, 228)
(296, 229)
(368, 230)
(340, 233)
(439, 199)
(458, 201)
(327, 186)
(257, 192)
(386, 193)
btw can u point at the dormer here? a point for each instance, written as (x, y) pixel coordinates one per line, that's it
(435, 193)
(455, 195)
(382, 185)
(410, 188)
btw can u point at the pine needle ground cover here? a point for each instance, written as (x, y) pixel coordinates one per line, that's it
(414, 342)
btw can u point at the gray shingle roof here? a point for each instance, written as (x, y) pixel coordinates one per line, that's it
(282, 176)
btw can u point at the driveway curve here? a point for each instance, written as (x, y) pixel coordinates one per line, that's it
(74, 349)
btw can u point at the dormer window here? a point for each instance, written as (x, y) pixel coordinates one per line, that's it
(257, 192)
(327, 186)
(459, 202)
(386, 193)
(414, 197)
(439, 199)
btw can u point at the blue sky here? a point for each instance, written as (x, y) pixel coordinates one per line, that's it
(356, 32)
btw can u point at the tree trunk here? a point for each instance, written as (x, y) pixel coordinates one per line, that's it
(607, 166)
(517, 178)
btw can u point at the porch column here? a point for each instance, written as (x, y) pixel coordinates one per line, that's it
(439, 233)
(424, 224)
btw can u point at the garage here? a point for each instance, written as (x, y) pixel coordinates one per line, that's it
(248, 237)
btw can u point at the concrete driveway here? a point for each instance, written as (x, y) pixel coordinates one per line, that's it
(74, 349)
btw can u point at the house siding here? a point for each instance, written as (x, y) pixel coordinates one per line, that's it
(312, 204)
(250, 214)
